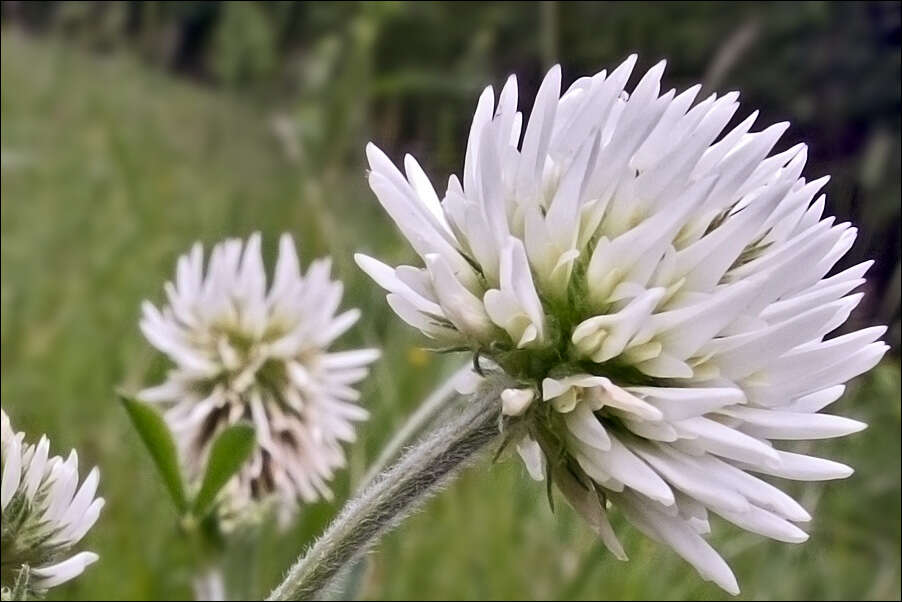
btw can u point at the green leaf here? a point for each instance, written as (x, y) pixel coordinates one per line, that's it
(158, 440)
(230, 451)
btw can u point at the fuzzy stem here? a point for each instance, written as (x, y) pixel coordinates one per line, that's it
(394, 495)
(425, 412)
(20, 588)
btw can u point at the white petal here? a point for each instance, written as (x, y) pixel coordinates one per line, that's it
(521, 283)
(82, 499)
(770, 424)
(35, 472)
(533, 458)
(805, 468)
(461, 307)
(677, 533)
(765, 523)
(685, 474)
(56, 574)
(620, 463)
(12, 470)
(514, 402)
(625, 401)
(723, 441)
(538, 132)
(583, 424)
(678, 403)
(817, 401)
(386, 277)
(350, 359)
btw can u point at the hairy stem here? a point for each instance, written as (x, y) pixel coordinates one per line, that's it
(20, 588)
(394, 495)
(437, 401)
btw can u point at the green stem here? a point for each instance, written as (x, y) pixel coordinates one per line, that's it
(20, 588)
(425, 412)
(349, 582)
(396, 494)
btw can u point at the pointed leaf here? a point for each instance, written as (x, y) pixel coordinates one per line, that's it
(158, 439)
(230, 451)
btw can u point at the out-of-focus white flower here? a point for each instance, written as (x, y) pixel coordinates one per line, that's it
(659, 285)
(45, 512)
(245, 352)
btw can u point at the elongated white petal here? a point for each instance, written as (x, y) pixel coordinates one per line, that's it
(12, 470)
(66, 570)
(677, 403)
(34, 473)
(817, 401)
(723, 441)
(793, 425)
(623, 465)
(587, 428)
(532, 457)
(804, 468)
(685, 475)
(765, 523)
(386, 277)
(680, 536)
(462, 308)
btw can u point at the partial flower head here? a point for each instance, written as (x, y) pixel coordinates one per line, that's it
(245, 351)
(45, 512)
(659, 288)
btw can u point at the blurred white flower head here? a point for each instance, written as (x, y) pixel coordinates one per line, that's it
(45, 512)
(243, 351)
(659, 288)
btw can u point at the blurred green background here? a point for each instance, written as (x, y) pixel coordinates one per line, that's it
(130, 130)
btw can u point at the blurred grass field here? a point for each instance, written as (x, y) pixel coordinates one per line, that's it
(110, 170)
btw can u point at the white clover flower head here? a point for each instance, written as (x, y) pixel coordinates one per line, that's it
(245, 352)
(657, 286)
(45, 512)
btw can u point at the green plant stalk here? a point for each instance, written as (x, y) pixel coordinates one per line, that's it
(398, 492)
(20, 588)
(350, 580)
(437, 401)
